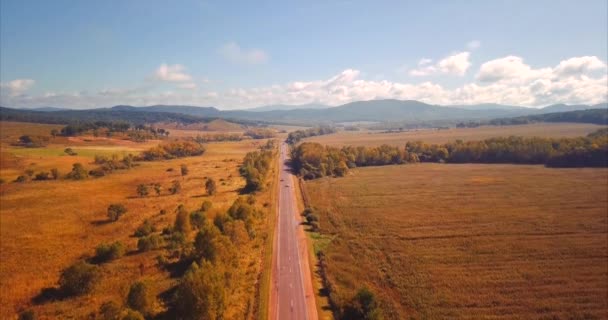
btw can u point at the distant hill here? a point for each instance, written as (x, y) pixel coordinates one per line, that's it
(595, 116)
(289, 107)
(389, 110)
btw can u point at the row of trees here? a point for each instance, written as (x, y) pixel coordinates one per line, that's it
(312, 160)
(295, 136)
(176, 149)
(256, 166)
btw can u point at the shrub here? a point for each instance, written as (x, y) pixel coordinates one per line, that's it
(145, 229)
(151, 242)
(157, 188)
(176, 240)
(211, 186)
(140, 297)
(363, 306)
(55, 173)
(201, 293)
(79, 278)
(115, 211)
(107, 252)
(42, 176)
(184, 170)
(21, 179)
(70, 152)
(109, 310)
(78, 172)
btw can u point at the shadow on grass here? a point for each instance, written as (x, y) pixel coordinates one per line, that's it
(101, 222)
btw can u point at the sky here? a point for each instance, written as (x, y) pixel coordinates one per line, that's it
(231, 55)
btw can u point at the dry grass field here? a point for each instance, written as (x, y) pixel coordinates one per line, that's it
(438, 241)
(48, 225)
(375, 138)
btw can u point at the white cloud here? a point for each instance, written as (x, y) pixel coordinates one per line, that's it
(507, 80)
(172, 73)
(187, 85)
(580, 65)
(17, 86)
(233, 52)
(455, 64)
(474, 44)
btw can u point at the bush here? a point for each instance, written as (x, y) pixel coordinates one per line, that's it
(55, 173)
(70, 152)
(363, 306)
(176, 187)
(78, 279)
(206, 205)
(78, 172)
(151, 242)
(109, 310)
(21, 179)
(42, 176)
(140, 298)
(211, 187)
(145, 229)
(107, 252)
(115, 211)
(201, 293)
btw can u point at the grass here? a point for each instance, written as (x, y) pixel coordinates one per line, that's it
(48, 225)
(440, 241)
(374, 138)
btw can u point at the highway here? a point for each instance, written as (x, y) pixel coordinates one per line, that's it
(289, 275)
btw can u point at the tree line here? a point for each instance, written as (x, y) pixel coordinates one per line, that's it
(256, 166)
(295, 136)
(312, 160)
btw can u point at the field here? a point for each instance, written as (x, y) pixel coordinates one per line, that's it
(48, 225)
(438, 241)
(374, 138)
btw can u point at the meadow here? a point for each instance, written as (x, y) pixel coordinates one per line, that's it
(376, 138)
(48, 225)
(467, 241)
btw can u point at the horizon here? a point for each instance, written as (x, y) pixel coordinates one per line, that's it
(208, 54)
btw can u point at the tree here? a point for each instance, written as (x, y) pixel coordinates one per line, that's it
(157, 189)
(184, 170)
(27, 315)
(201, 293)
(182, 220)
(109, 310)
(42, 176)
(176, 187)
(115, 211)
(132, 315)
(78, 279)
(206, 242)
(78, 172)
(198, 219)
(151, 242)
(107, 252)
(206, 205)
(210, 186)
(142, 190)
(140, 297)
(363, 306)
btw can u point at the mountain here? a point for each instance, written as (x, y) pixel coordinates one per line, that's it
(489, 106)
(565, 107)
(289, 107)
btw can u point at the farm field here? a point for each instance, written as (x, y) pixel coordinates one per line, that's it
(438, 241)
(375, 138)
(48, 225)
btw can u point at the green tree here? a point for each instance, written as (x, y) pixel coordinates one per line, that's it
(107, 252)
(182, 220)
(140, 297)
(115, 211)
(79, 278)
(210, 186)
(201, 293)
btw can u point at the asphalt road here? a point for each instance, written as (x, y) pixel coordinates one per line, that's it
(289, 285)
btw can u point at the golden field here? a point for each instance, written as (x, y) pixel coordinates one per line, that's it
(375, 138)
(48, 225)
(439, 241)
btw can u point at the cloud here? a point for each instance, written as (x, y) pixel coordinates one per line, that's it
(172, 73)
(233, 52)
(17, 86)
(455, 64)
(507, 80)
(187, 85)
(474, 44)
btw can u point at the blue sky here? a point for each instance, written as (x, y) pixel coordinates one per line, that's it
(241, 54)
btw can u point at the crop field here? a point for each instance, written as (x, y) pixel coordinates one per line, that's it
(48, 225)
(439, 241)
(375, 138)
